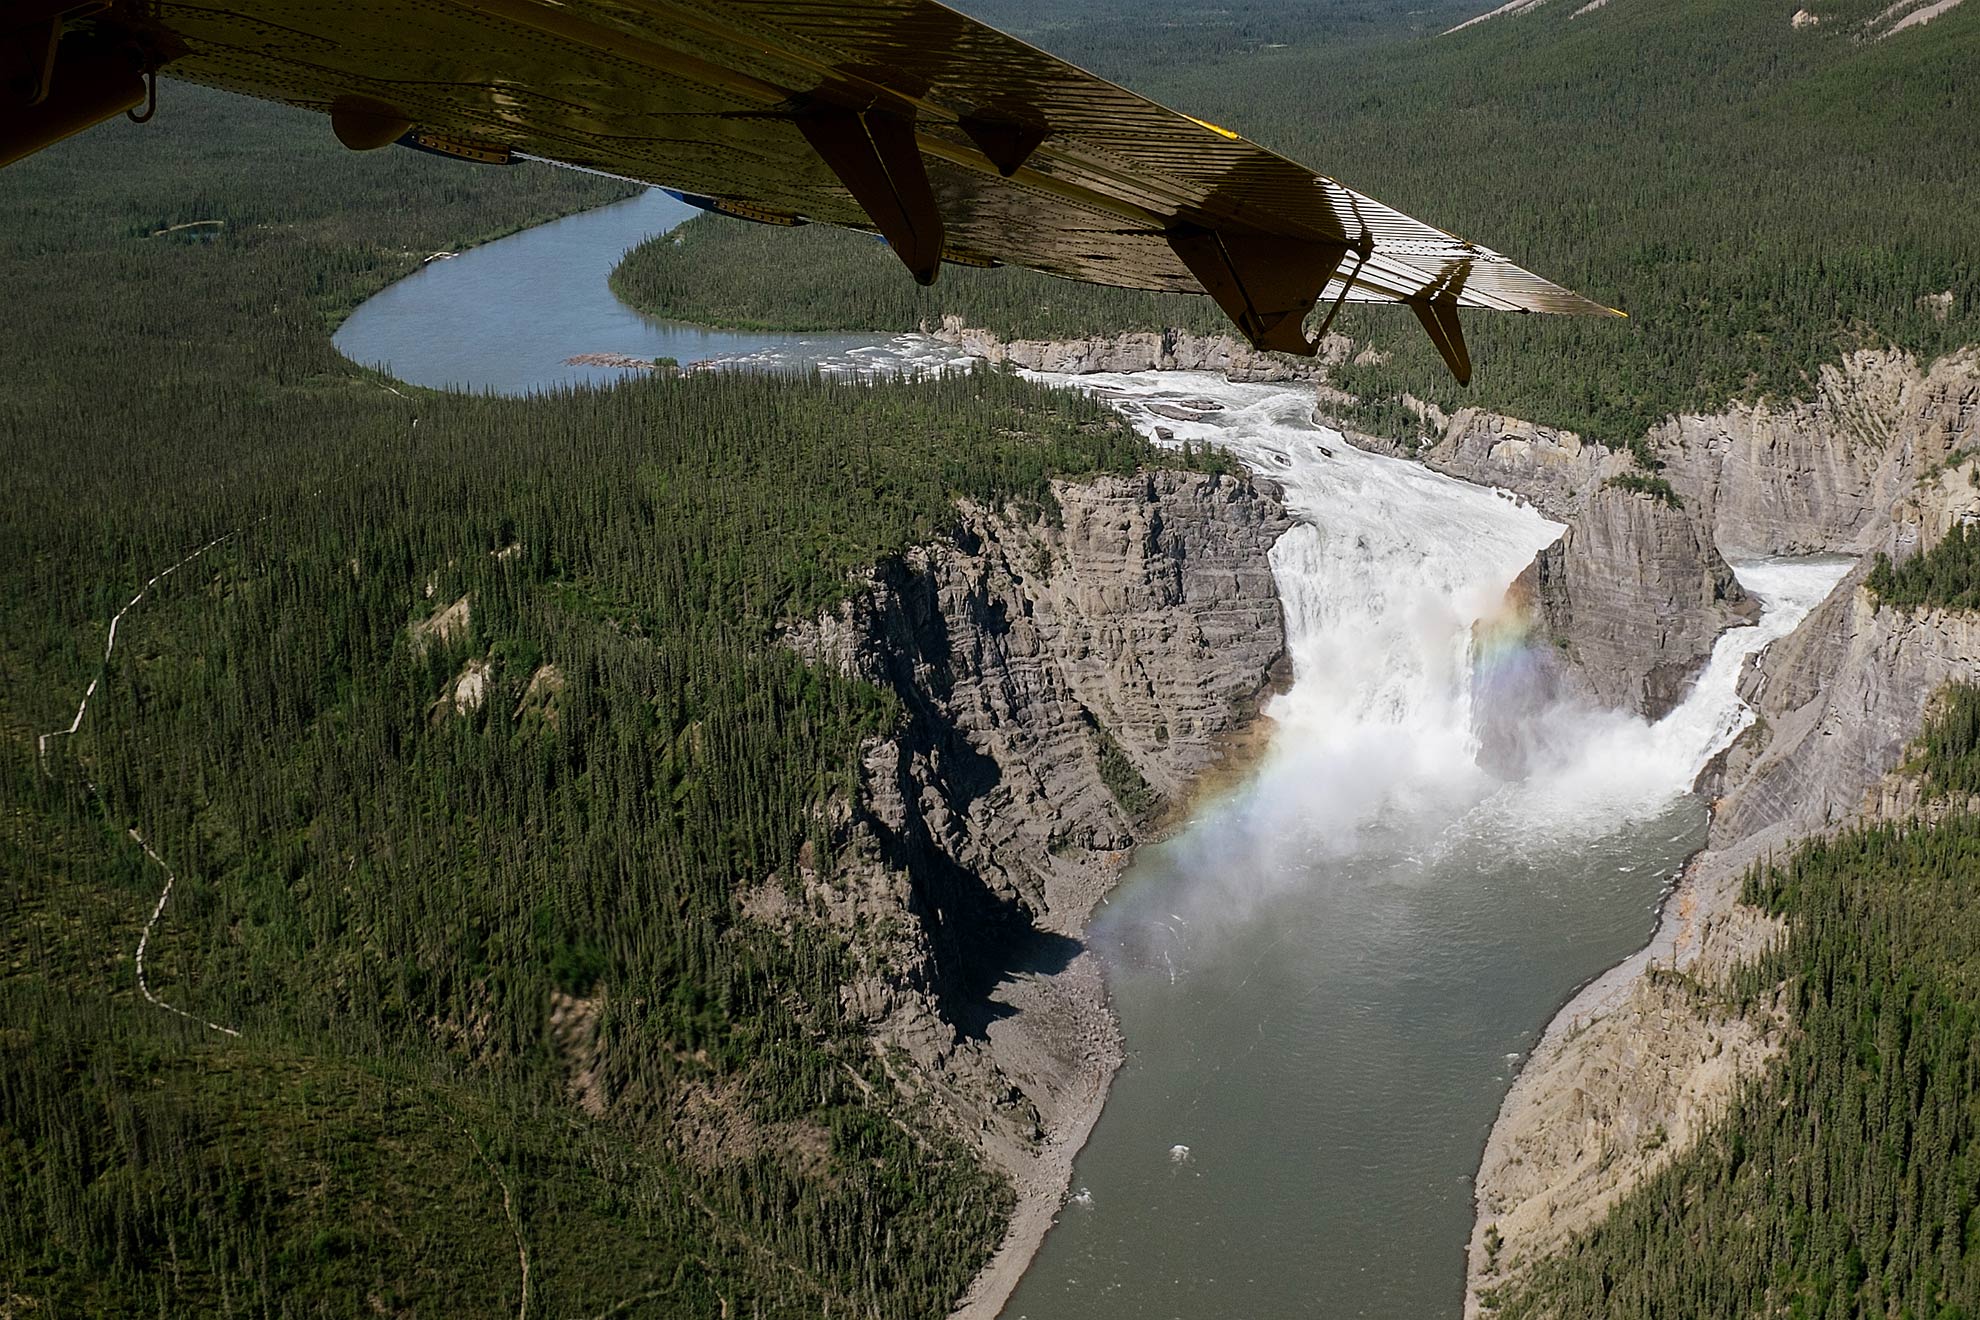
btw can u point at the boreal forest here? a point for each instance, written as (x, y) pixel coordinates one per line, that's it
(456, 723)
(417, 909)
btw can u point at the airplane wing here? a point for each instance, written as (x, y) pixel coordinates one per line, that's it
(952, 140)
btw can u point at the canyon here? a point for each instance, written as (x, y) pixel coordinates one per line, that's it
(1067, 680)
(1624, 610)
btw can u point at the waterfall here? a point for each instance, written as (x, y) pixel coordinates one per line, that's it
(1325, 977)
(1394, 588)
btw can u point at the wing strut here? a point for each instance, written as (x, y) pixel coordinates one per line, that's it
(55, 83)
(876, 157)
(1439, 316)
(1436, 307)
(1266, 284)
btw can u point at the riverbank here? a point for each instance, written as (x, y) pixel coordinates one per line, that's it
(1634, 1068)
(1073, 1011)
(1042, 1181)
(1063, 681)
(532, 313)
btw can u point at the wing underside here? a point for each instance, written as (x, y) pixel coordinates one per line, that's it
(955, 141)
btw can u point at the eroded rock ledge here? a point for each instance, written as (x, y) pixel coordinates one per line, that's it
(1145, 350)
(1063, 679)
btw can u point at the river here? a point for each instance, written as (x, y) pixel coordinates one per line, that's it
(1327, 979)
(506, 317)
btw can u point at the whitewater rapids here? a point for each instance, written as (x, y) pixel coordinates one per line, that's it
(1324, 981)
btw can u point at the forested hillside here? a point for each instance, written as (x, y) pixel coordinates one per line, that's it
(1760, 197)
(459, 739)
(1846, 1182)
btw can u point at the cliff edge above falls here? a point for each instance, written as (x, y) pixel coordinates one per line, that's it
(1636, 591)
(1632, 1070)
(1064, 680)
(1144, 350)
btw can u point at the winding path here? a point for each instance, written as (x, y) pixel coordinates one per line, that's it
(110, 644)
(82, 708)
(145, 939)
(165, 895)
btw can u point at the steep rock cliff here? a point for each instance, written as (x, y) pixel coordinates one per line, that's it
(1139, 350)
(1822, 475)
(1632, 1070)
(1553, 468)
(1064, 682)
(1633, 597)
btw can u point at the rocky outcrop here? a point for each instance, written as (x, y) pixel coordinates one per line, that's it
(1634, 598)
(1630, 1071)
(1822, 476)
(1063, 679)
(1760, 479)
(1636, 590)
(1554, 469)
(1167, 350)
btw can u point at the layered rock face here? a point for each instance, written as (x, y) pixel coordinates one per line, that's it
(1064, 681)
(1634, 597)
(1633, 1069)
(1795, 478)
(1553, 468)
(1170, 350)
(1822, 476)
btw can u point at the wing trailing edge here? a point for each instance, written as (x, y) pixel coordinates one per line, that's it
(954, 141)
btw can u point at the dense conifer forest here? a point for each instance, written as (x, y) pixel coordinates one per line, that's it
(1846, 1182)
(1945, 577)
(1761, 198)
(459, 724)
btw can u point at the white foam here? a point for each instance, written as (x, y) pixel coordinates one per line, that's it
(1382, 581)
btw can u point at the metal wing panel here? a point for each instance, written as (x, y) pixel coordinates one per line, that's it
(702, 96)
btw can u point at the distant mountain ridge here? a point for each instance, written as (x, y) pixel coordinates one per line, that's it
(1896, 18)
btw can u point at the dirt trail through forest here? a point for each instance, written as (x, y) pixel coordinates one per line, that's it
(82, 708)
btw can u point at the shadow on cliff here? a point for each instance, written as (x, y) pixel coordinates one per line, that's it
(981, 932)
(1031, 952)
